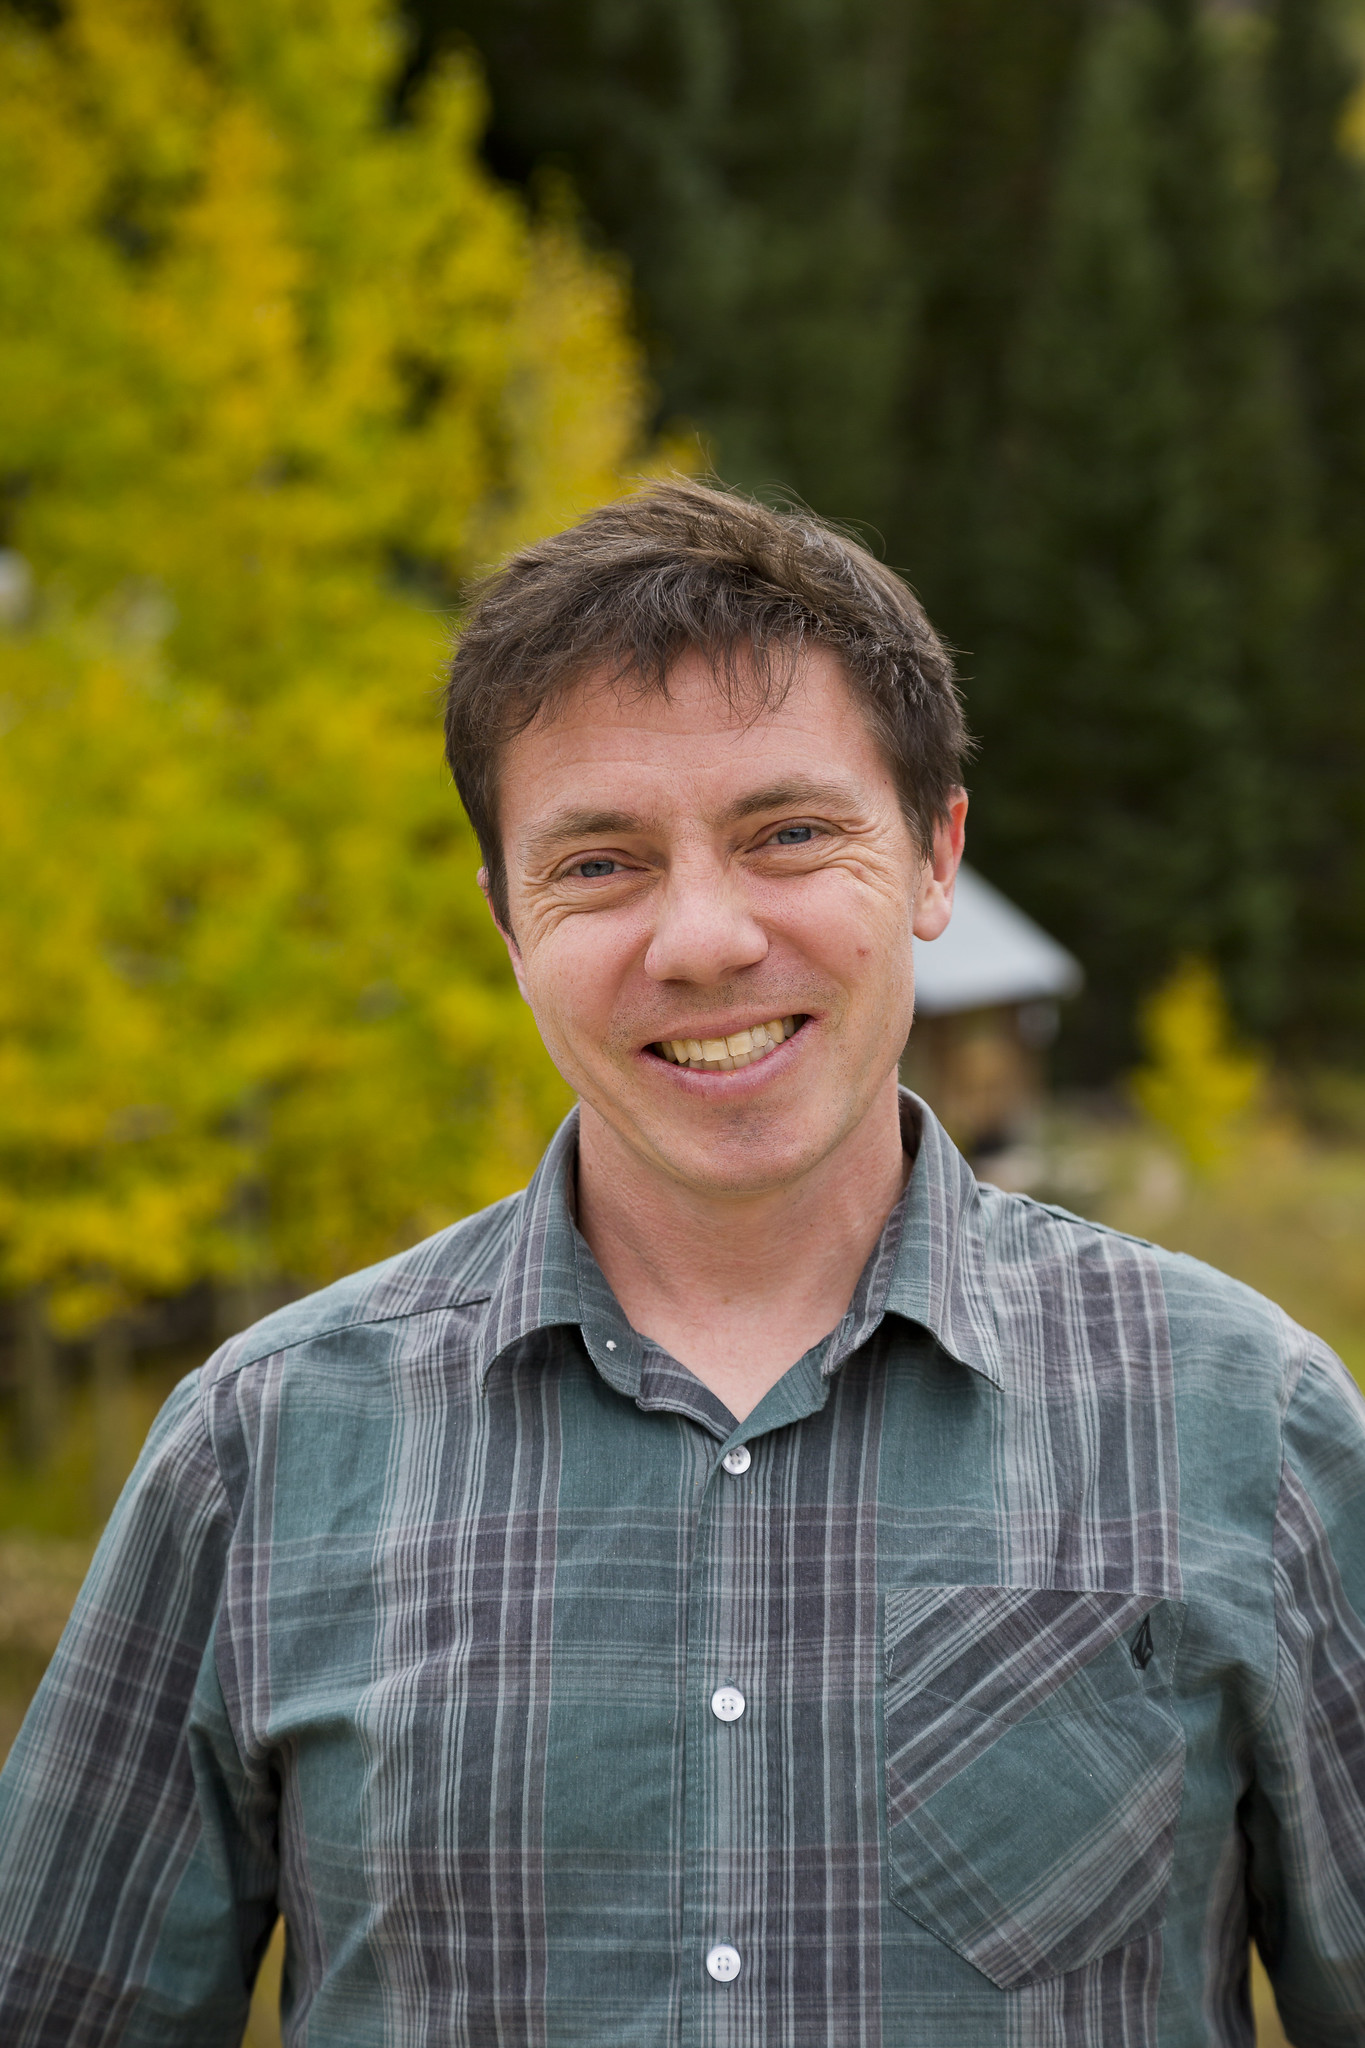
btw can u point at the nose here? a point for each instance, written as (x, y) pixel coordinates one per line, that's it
(705, 932)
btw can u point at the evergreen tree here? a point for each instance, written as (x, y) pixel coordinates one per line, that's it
(856, 230)
(1149, 563)
(744, 157)
(986, 93)
(1319, 215)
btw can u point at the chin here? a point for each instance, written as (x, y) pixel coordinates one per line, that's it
(742, 1163)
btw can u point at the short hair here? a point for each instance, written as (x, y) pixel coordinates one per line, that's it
(679, 566)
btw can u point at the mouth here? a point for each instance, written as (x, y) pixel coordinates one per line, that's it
(726, 1055)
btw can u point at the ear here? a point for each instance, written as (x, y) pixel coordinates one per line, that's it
(513, 950)
(938, 878)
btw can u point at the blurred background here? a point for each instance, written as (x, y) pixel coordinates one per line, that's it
(310, 309)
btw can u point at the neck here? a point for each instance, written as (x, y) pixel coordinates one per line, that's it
(738, 1286)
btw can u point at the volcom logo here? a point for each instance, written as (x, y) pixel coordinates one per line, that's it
(1144, 1649)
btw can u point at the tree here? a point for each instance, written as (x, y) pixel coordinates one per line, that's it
(847, 221)
(987, 91)
(744, 158)
(1150, 563)
(277, 372)
(1196, 1085)
(1318, 209)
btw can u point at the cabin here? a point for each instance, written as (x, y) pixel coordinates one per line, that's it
(987, 996)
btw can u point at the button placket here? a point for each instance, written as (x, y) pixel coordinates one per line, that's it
(719, 1981)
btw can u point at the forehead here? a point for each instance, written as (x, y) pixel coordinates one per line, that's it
(697, 749)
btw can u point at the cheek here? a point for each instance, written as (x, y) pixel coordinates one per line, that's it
(574, 975)
(848, 920)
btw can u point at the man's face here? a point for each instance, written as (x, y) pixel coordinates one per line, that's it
(679, 871)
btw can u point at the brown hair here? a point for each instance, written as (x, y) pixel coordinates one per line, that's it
(678, 566)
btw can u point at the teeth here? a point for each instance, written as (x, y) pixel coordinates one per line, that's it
(726, 1055)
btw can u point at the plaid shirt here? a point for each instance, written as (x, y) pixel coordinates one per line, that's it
(986, 1686)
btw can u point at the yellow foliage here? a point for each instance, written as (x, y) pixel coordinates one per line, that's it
(277, 372)
(1350, 24)
(1197, 1086)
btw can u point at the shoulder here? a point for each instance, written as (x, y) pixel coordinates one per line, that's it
(454, 1271)
(321, 1386)
(1129, 1290)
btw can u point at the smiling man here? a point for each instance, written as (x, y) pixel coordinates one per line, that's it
(756, 1586)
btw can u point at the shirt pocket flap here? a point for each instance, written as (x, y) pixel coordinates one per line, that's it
(1034, 1767)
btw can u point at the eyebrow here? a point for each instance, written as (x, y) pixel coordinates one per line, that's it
(570, 825)
(796, 793)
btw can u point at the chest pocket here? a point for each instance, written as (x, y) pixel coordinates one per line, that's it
(1033, 1770)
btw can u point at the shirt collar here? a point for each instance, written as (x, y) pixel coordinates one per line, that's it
(940, 1274)
(538, 1286)
(928, 1267)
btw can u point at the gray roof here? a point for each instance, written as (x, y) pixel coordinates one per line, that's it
(991, 953)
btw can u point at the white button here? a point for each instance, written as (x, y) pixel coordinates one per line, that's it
(737, 1461)
(727, 1703)
(723, 1963)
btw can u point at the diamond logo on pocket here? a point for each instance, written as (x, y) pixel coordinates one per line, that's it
(1144, 1649)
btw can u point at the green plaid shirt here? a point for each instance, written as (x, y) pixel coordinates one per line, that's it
(988, 1685)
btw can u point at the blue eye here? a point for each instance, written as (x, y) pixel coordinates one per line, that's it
(592, 869)
(793, 835)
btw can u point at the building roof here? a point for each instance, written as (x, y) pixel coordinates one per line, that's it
(991, 953)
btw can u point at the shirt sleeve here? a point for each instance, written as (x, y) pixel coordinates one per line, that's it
(1305, 1815)
(137, 1853)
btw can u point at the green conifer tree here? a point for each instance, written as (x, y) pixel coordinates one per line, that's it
(848, 224)
(1319, 214)
(744, 157)
(986, 92)
(1148, 562)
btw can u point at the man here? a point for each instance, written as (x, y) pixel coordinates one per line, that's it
(756, 1586)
